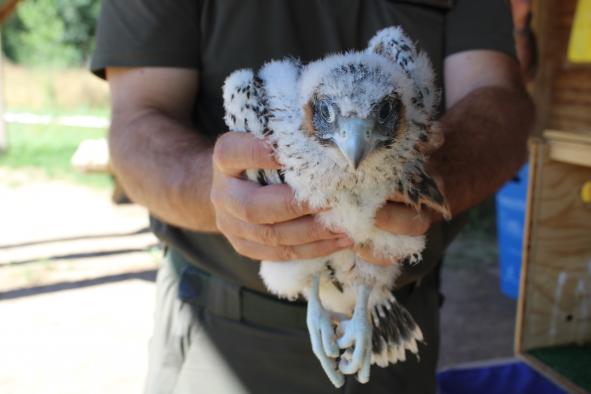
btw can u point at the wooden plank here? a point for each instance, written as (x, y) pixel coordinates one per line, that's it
(571, 99)
(562, 90)
(570, 152)
(535, 151)
(92, 155)
(569, 147)
(543, 10)
(568, 136)
(558, 253)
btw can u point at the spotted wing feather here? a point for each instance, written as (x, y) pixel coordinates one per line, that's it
(247, 110)
(421, 189)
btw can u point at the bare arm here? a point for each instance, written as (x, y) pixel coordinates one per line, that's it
(161, 162)
(486, 127)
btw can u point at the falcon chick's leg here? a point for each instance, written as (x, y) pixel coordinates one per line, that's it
(358, 332)
(322, 334)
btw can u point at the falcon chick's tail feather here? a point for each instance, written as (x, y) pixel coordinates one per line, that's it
(394, 332)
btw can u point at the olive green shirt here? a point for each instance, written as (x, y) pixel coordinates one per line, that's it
(217, 37)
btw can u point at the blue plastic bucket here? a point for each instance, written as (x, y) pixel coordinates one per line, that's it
(506, 377)
(511, 206)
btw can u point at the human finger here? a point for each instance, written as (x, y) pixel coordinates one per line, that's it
(401, 219)
(257, 251)
(298, 231)
(257, 204)
(236, 152)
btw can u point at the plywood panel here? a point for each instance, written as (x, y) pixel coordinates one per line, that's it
(562, 91)
(571, 99)
(570, 152)
(566, 136)
(555, 307)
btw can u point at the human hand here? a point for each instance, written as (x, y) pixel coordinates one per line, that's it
(263, 222)
(398, 218)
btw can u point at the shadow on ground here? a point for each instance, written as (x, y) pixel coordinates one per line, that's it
(148, 275)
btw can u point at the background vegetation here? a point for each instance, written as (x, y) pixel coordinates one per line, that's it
(51, 32)
(47, 45)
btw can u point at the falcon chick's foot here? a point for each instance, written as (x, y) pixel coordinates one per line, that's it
(357, 332)
(322, 335)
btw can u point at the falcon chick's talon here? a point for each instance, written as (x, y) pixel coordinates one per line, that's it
(322, 335)
(357, 332)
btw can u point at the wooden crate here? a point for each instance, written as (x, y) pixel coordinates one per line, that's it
(554, 307)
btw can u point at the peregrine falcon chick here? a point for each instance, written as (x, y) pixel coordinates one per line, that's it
(350, 130)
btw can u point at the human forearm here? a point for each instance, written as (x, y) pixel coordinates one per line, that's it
(485, 143)
(162, 163)
(165, 166)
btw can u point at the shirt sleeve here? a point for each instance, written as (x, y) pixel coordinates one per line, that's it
(480, 24)
(147, 33)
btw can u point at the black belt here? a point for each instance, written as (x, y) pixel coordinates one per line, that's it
(231, 301)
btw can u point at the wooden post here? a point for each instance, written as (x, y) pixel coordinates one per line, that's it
(3, 130)
(6, 9)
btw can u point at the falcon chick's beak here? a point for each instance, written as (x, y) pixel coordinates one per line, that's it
(353, 139)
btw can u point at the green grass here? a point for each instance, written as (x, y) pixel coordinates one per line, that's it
(46, 150)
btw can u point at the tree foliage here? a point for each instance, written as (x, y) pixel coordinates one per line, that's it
(51, 32)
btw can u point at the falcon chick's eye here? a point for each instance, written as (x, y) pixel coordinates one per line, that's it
(326, 111)
(385, 111)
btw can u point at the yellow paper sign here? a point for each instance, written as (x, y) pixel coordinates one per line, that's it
(579, 48)
(586, 192)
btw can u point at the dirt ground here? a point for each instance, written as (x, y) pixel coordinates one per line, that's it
(77, 293)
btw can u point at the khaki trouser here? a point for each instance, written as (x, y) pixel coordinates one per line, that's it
(195, 351)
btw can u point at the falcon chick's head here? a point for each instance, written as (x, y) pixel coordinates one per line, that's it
(359, 103)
